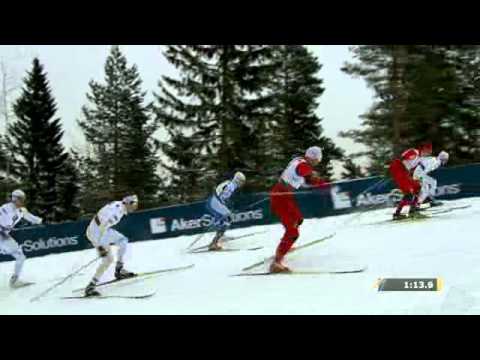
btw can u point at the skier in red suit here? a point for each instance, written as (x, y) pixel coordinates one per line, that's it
(402, 173)
(299, 173)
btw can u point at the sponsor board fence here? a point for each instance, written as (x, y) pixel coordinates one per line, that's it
(173, 221)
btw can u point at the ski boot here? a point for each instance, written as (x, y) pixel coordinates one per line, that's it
(90, 290)
(399, 216)
(277, 267)
(215, 246)
(415, 213)
(433, 202)
(15, 283)
(121, 273)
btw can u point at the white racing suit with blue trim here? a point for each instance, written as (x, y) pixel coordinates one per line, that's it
(217, 205)
(426, 165)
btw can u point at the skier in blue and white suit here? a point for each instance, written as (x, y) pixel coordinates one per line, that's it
(217, 206)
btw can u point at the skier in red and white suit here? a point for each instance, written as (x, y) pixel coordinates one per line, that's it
(402, 170)
(299, 173)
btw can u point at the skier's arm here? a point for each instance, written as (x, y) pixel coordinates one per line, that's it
(311, 177)
(228, 191)
(429, 164)
(108, 218)
(30, 217)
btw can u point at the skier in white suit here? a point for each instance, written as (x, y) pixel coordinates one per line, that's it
(102, 236)
(10, 214)
(426, 165)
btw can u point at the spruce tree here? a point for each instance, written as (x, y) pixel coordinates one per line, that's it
(34, 140)
(297, 89)
(422, 93)
(216, 115)
(351, 170)
(382, 129)
(69, 179)
(120, 133)
(3, 175)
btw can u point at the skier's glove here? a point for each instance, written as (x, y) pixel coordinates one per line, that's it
(4, 232)
(102, 251)
(443, 157)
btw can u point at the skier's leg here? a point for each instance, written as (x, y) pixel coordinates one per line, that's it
(432, 187)
(10, 247)
(107, 260)
(291, 218)
(424, 191)
(222, 221)
(121, 241)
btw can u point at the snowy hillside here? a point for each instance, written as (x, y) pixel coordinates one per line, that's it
(446, 246)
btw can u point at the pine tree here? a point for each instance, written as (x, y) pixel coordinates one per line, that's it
(69, 179)
(382, 130)
(34, 140)
(120, 133)
(352, 171)
(423, 93)
(455, 116)
(216, 115)
(3, 158)
(89, 197)
(3, 176)
(296, 92)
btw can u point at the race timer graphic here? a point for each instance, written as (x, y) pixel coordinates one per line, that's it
(409, 284)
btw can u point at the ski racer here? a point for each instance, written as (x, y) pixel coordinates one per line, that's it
(102, 236)
(10, 214)
(298, 173)
(402, 171)
(218, 207)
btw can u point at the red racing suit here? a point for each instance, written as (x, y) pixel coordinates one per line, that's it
(402, 169)
(283, 204)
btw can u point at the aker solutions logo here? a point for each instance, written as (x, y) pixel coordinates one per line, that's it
(51, 243)
(158, 225)
(342, 200)
(396, 195)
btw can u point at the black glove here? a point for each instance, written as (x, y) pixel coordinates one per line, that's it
(102, 251)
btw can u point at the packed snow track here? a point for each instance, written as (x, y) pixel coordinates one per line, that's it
(446, 246)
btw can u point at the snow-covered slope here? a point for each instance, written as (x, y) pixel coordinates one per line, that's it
(447, 247)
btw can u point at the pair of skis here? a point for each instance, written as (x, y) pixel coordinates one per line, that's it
(306, 272)
(225, 250)
(247, 270)
(440, 210)
(138, 277)
(424, 214)
(205, 249)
